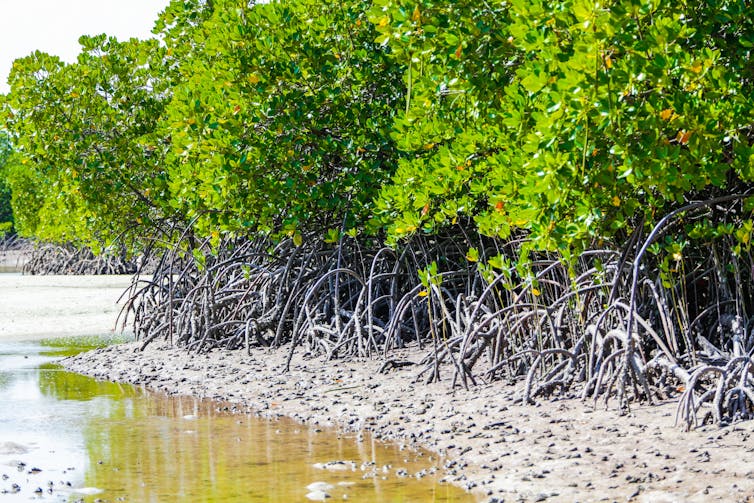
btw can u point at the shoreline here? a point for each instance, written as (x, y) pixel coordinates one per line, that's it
(13, 260)
(559, 450)
(45, 307)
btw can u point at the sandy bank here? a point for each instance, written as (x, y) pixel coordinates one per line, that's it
(12, 260)
(35, 307)
(557, 451)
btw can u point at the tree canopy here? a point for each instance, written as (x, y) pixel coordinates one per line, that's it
(573, 121)
(6, 212)
(569, 121)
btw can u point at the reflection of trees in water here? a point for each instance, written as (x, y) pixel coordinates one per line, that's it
(56, 383)
(160, 456)
(4, 380)
(161, 448)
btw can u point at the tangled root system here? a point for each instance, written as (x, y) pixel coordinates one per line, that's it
(45, 258)
(612, 324)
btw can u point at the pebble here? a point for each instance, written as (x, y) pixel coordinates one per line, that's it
(319, 486)
(317, 496)
(336, 465)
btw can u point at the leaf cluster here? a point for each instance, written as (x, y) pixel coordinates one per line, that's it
(570, 120)
(237, 118)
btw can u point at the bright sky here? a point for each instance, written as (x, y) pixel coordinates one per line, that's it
(54, 26)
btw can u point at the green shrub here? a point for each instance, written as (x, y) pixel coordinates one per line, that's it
(572, 120)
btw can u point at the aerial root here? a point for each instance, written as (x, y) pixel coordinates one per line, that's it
(58, 259)
(585, 328)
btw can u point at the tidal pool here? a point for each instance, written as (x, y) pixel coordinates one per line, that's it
(66, 437)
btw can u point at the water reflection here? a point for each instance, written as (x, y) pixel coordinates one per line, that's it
(87, 436)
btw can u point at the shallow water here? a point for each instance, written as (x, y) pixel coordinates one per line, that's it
(66, 437)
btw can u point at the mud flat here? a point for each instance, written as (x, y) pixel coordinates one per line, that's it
(12, 260)
(561, 450)
(42, 307)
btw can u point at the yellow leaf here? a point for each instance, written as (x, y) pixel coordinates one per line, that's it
(297, 239)
(428, 146)
(384, 21)
(423, 293)
(459, 51)
(253, 78)
(536, 292)
(697, 67)
(417, 15)
(75, 94)
(677, 256)
(616, 201)
(683, 137)
(666, 114)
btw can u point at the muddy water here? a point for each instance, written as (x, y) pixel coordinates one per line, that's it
(66, 437)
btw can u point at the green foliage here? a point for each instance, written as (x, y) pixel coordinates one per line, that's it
(571, 120)
(6, 212)
(248, 118)
(281, 122)
(568, 122)
(89, 166)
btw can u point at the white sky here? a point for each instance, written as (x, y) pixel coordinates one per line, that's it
(54, 26)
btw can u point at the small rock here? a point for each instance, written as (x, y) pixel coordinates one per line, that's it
(317, 496)
(319, 486)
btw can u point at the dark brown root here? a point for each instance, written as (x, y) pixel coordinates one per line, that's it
(608, 325)
(58, 259)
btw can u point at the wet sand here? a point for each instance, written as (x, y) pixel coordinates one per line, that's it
(12, 260)
(41, 307)
(562, 450)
